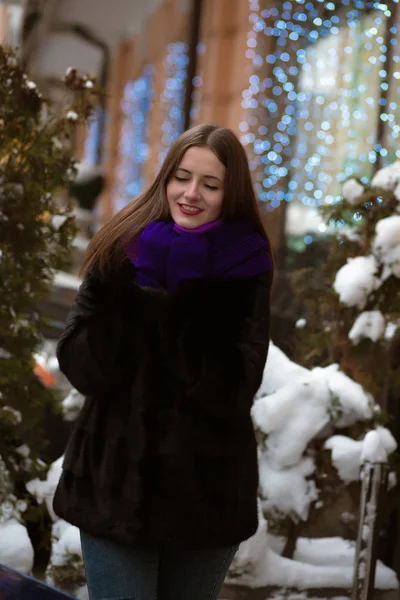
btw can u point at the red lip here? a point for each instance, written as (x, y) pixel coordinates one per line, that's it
(189, 213)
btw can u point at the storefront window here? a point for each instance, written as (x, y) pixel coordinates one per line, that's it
(316, 102)
(173, 96)
(133, 144)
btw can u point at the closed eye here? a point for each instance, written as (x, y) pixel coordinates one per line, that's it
(210, 187)
(181, 178)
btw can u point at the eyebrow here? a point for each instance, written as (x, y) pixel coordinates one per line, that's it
(190, 173)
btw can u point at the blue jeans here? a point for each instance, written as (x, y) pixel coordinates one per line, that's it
(164, 572)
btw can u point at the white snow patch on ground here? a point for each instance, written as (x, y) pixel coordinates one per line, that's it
(16, 549)
(324, 562)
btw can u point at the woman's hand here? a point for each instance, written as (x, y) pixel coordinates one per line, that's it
(152, 255)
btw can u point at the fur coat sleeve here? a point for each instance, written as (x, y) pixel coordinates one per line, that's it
(88, 349)
(212, 332)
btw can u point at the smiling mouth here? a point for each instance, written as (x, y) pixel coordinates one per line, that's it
(186, 209)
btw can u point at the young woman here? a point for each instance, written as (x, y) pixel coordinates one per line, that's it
(167, 340)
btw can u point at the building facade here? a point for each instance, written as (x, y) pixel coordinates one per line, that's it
(311, 87)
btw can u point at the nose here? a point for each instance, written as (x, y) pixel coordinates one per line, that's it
(192, 191)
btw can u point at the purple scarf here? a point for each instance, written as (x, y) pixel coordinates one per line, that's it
(216, 250)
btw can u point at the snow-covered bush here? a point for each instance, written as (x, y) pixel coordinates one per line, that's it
(290, 413)
(318, 421)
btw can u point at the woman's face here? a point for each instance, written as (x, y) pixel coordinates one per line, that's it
(196, 189)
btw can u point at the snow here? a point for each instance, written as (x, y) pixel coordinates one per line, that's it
(80, 243)
(390, 330)
(346, 456)
(353, 403)
(396, 192)
(66, 543)
(58, 220)
(44, 491)
(16, 550)
(86, 172)
(386, 244)
(377, 445)
(355, 281)
(72, 405)
(349, 233)
(300, 323)
(349, 455)
(287, 491)
(292, 407)
(72, 115)
(89, 84)
(368, 324)
(388, 177)
(31, 85)
(4, 353)
(66, 280)
(279, 369)
(353, 191)
(11, 414)
(318, 563)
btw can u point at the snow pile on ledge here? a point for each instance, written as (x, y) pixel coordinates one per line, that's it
(349, 454)
(318, 563)
(293, 406)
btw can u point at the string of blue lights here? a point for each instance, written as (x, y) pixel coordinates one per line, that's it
(314, 102)
(133, 144)
(173, 96)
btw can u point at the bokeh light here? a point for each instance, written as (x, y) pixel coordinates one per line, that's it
(133, 144)
(322, 104)
(173, 96)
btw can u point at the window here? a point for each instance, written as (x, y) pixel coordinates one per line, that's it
(173, 96)
(133, 146)
(322, 102)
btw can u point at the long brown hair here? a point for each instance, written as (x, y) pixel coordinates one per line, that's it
(239, 202)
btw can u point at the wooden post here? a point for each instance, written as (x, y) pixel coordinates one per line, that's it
(373, 492)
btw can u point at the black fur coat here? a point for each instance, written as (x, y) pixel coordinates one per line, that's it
(164, 447)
